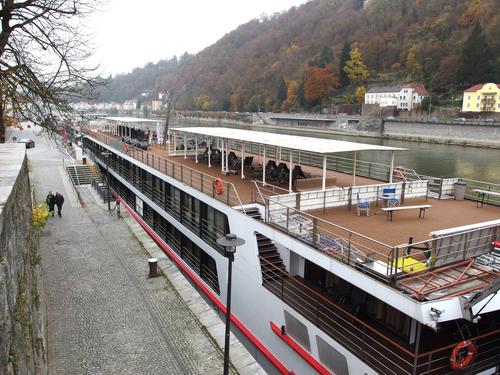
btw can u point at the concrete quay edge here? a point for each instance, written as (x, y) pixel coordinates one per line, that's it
(240, 358)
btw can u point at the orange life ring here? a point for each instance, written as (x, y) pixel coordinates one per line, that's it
(126, 147)
(456, 360)
(218, 186)
(400, 171)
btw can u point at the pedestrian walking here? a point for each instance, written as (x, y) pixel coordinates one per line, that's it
(59, 199)
(51, 201)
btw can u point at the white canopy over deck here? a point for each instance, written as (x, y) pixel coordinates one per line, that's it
(123, 126)
(319, 146)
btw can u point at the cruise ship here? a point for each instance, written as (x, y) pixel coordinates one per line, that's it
(349, 266)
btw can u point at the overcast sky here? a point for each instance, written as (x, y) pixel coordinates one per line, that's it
(130, 33)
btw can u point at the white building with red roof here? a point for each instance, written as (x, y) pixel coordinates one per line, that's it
(405, 97)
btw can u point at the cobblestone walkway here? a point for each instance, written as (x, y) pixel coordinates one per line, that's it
(104, 315)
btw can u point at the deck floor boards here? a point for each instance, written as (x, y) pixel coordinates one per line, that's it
(443, 214)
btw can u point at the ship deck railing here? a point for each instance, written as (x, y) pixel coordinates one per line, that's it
(387, 262)
(368, 169)
(198, 180)
(375, 345)
(348, 196)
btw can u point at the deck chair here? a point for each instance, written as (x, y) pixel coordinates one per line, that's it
(390, 197)
(363, 206)
(247, 163)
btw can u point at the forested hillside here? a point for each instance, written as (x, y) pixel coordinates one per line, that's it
(332, 49)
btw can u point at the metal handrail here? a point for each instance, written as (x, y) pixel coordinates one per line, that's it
(133, 150)
(258, 190)
(273, 189)
(482, 182)
(289, 219)
(333, 225)
(375, 341)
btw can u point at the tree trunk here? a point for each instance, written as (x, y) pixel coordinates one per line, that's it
(2, 126)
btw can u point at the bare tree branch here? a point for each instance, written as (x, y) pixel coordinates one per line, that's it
(43, 59)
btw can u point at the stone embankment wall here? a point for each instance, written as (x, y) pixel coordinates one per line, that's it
(462, 132)
(337, 124)
(22, 318)
(475, 133)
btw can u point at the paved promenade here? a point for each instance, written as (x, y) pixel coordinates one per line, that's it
(104, 315)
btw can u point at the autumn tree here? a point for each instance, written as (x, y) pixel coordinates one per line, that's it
(235, 100)
(413, 67)
(291, 94)
(355, 68)
(471, 14)
(43, 55)
(360, 94)
(253, 104)
(202, 102)
(475, 64)
(318, 83)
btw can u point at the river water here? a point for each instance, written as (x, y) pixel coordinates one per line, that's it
(430, 159)
(438, 160)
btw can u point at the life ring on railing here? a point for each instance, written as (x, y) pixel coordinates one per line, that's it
(125, 146)
(457, 361)
(218, 186)
(400, 171)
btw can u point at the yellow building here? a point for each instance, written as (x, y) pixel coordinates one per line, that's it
(155, 105)
(484, 97)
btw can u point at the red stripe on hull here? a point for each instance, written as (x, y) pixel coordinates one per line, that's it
(300, 351)
(276, 363)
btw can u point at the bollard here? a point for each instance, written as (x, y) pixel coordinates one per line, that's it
(118, 209)
(153, 267)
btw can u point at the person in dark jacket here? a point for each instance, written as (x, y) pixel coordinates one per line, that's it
(59, 202)
(51, 201)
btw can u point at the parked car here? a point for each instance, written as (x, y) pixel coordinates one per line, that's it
(28, 142)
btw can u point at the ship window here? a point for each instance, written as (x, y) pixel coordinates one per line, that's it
(159, 191)
(175, 202)
(190, 211)
(148, 190)
(332, 358)
(391, 318)
(297, 330)
(147, 214)
(138, 205)
(214, 225)
(160, 225)
(209, 271)
(191, 253)
(174, 238)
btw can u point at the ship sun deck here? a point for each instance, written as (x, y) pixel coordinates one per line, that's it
(327, 218)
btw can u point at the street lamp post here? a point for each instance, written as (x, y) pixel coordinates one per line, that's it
(106, 155)
(229, 242)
